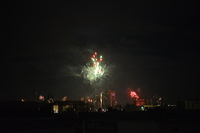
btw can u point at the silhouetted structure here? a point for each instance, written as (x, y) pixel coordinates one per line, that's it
(69, 106)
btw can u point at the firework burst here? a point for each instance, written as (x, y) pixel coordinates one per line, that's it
(95, 70)
(133, 94)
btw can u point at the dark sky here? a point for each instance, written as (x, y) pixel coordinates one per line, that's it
(151, 45)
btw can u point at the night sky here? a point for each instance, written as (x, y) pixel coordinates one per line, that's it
(151, 45)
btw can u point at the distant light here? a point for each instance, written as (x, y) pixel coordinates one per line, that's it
(55, 108)
(50, 100)
(41, 97)
(23, 100)
(64, 98)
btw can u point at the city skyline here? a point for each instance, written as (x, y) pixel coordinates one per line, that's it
(148, 45)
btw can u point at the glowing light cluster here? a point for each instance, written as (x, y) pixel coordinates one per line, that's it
(133, 94)
(94, 71)
(41, 98)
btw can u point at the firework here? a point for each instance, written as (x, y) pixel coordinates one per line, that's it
(94, 71)
(98, 70)
(133, 94)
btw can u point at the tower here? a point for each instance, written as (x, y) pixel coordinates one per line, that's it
(109, 98)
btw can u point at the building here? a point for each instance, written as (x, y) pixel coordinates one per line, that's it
(109, 99)
(69, 106)
(141, 102)
(96, 101)
(192, 105)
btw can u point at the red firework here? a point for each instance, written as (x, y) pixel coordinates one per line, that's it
(133, 94)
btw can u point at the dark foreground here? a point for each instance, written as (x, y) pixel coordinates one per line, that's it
(109, 122)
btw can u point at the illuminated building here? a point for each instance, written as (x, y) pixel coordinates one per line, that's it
(101, 99)
(109, 99)
(140, 102)
(69, 106)
(96, 101)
